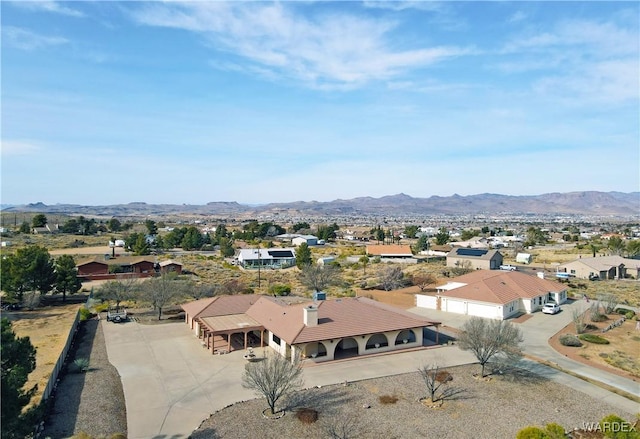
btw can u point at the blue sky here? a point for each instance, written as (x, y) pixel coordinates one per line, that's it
(190, 102)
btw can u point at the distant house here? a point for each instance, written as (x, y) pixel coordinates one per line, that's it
(46, 229)
(316, 331)
(524, 258)
(170, 266)
(100, 268)
(605, 267)
(494, 294)
(326, 260)
(479, 259)
(266, 258)
(304, 239)
(390, 251)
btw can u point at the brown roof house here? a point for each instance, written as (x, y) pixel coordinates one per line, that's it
(316, 331)
(170, 266)
(106, 267)
(494, 294)
(391, 251)
(605, 267)
(477, 258)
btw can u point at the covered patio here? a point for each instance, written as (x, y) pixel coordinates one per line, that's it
(223, 334)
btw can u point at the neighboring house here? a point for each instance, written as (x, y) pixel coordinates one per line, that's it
(606, 267)
(390, 251)
(326, 260)
(100, 268)
(47, 229)
(170, 266)
(317, 331)
(267, 258)
(494, 294)
(479, 259)
(304, 239)
(475, 242)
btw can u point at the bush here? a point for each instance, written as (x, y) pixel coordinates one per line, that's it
(592, 338)
(532, 433)
(625, 311)
(81, 365)
(555, 431)
(615, 427)
(280, 289)
(570, 340)
(85, 314)
(388, 399)
(307, 416)
(101, 308)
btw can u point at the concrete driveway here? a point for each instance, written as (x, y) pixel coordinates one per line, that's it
(171, 384)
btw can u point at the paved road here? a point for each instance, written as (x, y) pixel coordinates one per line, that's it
(171, 384)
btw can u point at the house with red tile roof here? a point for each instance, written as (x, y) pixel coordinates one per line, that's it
(494, 294)
(390, 251)
(314, 330)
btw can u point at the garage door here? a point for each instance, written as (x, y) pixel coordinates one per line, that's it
(480, 310)
(455, 306)
(424, 301)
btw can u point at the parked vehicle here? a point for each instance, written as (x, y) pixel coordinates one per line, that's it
(594, 276)
(116, 315)
(508, 267)
(551, 308)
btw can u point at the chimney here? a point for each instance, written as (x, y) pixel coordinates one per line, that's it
(541, 274)
(311, 316)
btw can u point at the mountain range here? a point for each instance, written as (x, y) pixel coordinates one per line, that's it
(577, 203)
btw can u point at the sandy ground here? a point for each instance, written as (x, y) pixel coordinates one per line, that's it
(84, 251)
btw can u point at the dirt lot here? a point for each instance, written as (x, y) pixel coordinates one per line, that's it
(48, 329)
(621, 356)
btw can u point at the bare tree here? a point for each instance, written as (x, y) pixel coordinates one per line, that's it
(608, 301)
(392, 278)
(162, 291)
(437, 382)
(461, 268)
(578, 321)
(423, 281)
(273, 378)
(343, 426)
(117, 290)
(200, 291)
(491, 338)
(319, 277)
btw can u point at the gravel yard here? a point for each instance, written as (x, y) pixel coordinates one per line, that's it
(487, 409)
(91, 402)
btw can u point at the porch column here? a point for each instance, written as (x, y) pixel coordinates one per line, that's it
(245, 340)
(437, 333)
(262, 338)
(228, 343)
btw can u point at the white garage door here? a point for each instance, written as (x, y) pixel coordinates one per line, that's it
(424, 301)
(455, 306)
(480, 310)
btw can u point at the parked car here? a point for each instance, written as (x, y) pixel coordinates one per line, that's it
(508, 267)
(594, 276)
(551, 308)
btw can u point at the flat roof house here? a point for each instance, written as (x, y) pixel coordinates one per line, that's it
(390, 251)
(317, 331)
(266, 258)
(104, 267)
(494, 294)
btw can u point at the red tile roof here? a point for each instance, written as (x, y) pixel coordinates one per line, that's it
(501, 287)
(393, 250)
(220, 305)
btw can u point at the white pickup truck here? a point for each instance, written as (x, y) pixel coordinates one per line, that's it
(508, 267)
(116, 315)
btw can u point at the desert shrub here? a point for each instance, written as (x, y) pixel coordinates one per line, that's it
(82, 435)
(101, 307)
(118, 436)
(570, 340)
(85, 314)
(388, 399)
(280, 289)
(81, 365)
(592, 338)
(596, 314)
(613, 426)
(532, 433)
(307, 415)
(443, 376)
(625, 311)
(555, 431)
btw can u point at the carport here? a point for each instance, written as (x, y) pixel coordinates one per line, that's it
(218, 333)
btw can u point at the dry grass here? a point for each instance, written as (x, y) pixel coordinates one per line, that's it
(48, 329)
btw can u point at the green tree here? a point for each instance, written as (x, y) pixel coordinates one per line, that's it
(40, 220)
(364, 260)
(67, 276)
(18, 358)
(300, 226)
(152, 228)
(141, 246)
(594, 249)
(114, 225)
(633, 248)
(29, 269)
(303, 255)
(467, 234)
(25, 228)
(71, 226)
(442, 237)
(411, 231)
(487, 339)
(192, 240)
(422, 244)
(616, 245)
(536, 236)
(226, 247)
(327, 232)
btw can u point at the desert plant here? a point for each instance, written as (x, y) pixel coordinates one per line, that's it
(596, 314)
(555, 431)
(387, 399)
(531, 433)
(613, 426)
(609, 302)
(592, 338)
(85, 314)
(280, 289)
(578, 321)
(307, 415)
(81, 364)
(570, 340)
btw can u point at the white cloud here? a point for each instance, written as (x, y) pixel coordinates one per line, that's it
(18, 147)
(517, 17)
(330, 50)
(403, 5)
(49, 6)
(27, 40)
